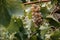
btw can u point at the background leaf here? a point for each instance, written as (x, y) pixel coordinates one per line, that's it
(4, 14)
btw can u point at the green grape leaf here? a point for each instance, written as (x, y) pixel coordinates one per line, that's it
(4, 14)
(44, 11)
(53, 1)
(34, 37)
(55, 35)
(15, 24)
(53, 22)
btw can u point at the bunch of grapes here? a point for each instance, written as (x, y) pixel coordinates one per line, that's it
(36, 15)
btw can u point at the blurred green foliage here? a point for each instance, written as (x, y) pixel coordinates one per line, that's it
(16, 26)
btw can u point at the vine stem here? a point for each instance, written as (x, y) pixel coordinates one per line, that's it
(36, 2)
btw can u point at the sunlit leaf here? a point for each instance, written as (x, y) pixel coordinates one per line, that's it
(15, 24)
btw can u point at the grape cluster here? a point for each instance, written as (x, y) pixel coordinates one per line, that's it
(36, 15)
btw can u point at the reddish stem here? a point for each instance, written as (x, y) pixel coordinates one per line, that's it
(36, 2)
